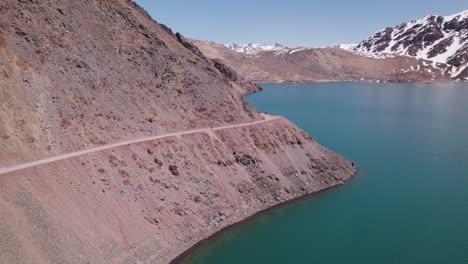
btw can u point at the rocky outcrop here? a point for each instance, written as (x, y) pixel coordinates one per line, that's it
(79, 75)
(189, 45)
(235, 79)
(225, 70)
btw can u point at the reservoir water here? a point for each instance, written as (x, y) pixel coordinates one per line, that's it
(409, 201)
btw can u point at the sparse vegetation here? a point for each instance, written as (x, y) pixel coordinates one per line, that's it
(65, 122)
(124, 173)
(174, 170)
(158, 162)
(2, 41)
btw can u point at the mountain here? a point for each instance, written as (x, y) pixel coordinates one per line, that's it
(440, 39)
(73, 84)
(258, 49)
(348, 47)
(431, 49)
(320, 64)
(120, 142)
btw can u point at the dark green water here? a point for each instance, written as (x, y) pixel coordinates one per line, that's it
(408, 203)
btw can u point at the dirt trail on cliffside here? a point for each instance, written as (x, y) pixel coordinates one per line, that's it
(266, 118)
(121, 142)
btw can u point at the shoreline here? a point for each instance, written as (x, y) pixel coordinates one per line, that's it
(213, 237)
(359, 81)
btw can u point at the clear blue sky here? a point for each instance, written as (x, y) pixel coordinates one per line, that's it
(291, 22)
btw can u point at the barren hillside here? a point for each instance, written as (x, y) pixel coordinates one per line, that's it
(81, 75)
(75, 74)
(322, 64)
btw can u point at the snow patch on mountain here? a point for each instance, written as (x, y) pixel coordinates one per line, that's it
(255, 49)
(440, 39)
(348, 47)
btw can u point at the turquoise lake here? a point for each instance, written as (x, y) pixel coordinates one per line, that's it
(407, 204)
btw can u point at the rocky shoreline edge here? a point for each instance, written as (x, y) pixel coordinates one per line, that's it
(213, 237)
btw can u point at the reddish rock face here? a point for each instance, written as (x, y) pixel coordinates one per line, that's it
(125, 204)
(95, 73)
(80, 75)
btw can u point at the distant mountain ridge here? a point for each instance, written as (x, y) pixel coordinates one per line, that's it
(320, 64)
(254, 49)
(431, 49)
(440, 39)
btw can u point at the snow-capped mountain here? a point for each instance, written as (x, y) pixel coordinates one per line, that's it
(349, 47)
(441, 39)
(253, 49)
(434, 48)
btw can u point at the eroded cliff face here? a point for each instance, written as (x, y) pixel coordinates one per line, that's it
(80, 74)
(148, 202)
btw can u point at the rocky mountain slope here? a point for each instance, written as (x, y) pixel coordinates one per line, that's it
(440, 39)
(76, 75)
(431, 49)
(321, 64)
(75, 84)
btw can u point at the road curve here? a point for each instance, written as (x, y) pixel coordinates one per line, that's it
(267, 118)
